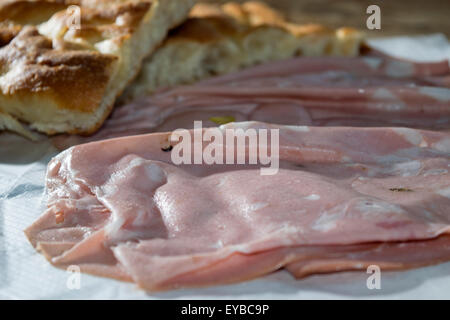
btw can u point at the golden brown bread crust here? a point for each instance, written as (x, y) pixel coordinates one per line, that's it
(57, 73)
(218, 39)
(63, 79)
(7, 32)
(253, 13)
(212, 22)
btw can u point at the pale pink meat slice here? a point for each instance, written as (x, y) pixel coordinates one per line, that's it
(327, 91)
(386, 256)
(121, 208)
(299, 261)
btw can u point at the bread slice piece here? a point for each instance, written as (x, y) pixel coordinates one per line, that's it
(218, 39)
(64, 62)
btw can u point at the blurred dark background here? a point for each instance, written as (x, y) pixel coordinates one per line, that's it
(398, 17)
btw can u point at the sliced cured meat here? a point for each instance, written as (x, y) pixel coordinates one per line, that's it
(367, 91)
(342, 198)
(387, 256)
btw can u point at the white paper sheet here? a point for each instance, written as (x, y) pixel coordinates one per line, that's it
(25, 274)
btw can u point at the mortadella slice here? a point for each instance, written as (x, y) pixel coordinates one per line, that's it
(342, 198)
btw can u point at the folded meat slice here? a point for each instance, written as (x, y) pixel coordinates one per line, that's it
(329, 91)
(300, 261)
(342, 198)
(387, 256)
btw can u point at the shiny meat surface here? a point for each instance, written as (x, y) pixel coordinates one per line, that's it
(370, 91)
(343, 198)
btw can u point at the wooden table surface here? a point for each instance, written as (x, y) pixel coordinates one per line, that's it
(398, 17)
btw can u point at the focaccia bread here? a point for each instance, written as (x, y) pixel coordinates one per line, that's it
(63, 63)
(218, 39)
